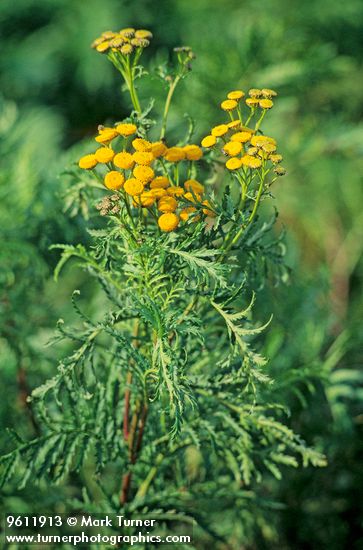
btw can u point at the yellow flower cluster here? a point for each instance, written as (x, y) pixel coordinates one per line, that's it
(143, 173)
(124, 41)
(245, 148)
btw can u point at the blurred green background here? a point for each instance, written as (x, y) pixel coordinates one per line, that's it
(55, 90)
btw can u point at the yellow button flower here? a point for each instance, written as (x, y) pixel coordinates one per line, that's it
(254, 92)
(234, 124)
(124, 160)
(143, 173)
(87, 162)
(232, 148)
(161, 182)
(125, 129)
(276, 159)
(241, 137)
(258, 141)
(140, 144)
(167, 204)
(266, 92)
(251, 162)
(266, 103)
(146, 199)
(229, 104)
(194, 185)
(104, 154)
(143, 157)
(209, 141)
(234, 163)
(193, 152)
(103, 46)
(219, 130)
(175, 191)
(126, 49)
(158, 192)
(235, 94)
(252, 102)
(168, 221)
(141, 33)
(158, 149)
(133, 187)
(106, 135)
(174, 154)
(114, 180)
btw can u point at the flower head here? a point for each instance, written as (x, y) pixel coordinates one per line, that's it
(168, 221)
(234, 163)
(232, 148)
(106, 135)
(236, 95)
(167, 204)
(266, 103)
(160, 182)
(124, 160)
(229, 104)
(209, 141)
(126, 129)
(143, 157)
(140, 144)
(133, 187)
(193, 152)
(104, 154)
(143, 173)
(88, 162)
(175, 154)
(114, 180)
(219, 130)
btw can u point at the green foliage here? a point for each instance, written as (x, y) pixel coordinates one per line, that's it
(57, 91)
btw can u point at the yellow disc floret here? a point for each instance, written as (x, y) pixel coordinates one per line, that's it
(106, 135)
(126, 129)
(143, 157)
(160, 182)
(209, 141)
(88, 162)
(133, 187)
(251, 162)
(232, 148)
(167, 204)
(234, 163)
(229, 104)
(124, 160)
(175, 154)
(114, 180)
(104, 154)
(168, 221)
(266, 103)
(241, 137)
(158, 149)
(193, 152)
(140, 144)
(143, 173)
(219, 130)
(235, 94)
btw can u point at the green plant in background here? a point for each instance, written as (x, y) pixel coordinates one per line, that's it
(166, 373)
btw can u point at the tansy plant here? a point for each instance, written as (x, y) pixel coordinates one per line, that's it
(163, 403)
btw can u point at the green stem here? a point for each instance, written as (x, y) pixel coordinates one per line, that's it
(167, 104)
